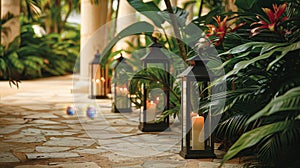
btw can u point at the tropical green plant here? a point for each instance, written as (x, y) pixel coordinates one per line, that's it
(48, 55)
(9, 66)
(30, 56)
(53, 15)
(260, 117)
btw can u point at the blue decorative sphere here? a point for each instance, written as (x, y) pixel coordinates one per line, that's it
(70, 110)
(91, 112)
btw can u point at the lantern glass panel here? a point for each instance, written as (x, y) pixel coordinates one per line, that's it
(122, 96)
(97, 81)
(156, 65)
(184, 112)
(155, 102)
(121, 81)
(200, 124)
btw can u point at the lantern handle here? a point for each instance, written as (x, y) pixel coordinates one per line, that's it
(155, 36)
(154, 39)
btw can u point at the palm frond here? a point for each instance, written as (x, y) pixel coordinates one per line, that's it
(288, 102)
(255, 136)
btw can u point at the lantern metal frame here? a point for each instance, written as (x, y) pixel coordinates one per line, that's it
(98, 79)
(155, 56)
(192, 149)
(125, 106)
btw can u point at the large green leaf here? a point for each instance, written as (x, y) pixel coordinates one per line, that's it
(149, 9)
(290, 101)
(233, 126)
(242, 48)
(292, 47)
(254, 136)
(15, 62)
(134, 29)
(2, 68)
(244, 64)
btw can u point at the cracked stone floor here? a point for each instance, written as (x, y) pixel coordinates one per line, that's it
(36, 132)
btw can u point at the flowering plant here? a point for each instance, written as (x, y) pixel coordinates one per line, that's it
(218, 33)
(275, 18)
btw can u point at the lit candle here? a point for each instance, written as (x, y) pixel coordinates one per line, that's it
(97, 86)
(194, 114)
(151, 111)
(197, 133)
(157, 100)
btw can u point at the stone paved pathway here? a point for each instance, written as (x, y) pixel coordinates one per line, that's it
(36, 132)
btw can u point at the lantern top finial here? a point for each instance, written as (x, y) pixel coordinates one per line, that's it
(155, 43)
(119, 59)
(197, 69)
(97, 53)
(155, 54)
(197, 60)
(96, 59)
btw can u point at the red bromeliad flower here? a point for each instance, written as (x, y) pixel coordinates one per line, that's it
(221, 29)
(218, 31)
(274, 19)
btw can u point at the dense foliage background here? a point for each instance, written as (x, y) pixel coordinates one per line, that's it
(47, 45)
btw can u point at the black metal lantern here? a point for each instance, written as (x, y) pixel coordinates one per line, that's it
(120, 88)
(197, 139)
(155, 94)
(98, 75)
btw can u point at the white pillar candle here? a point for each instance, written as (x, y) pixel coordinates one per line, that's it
(197, 133)
(151, 111)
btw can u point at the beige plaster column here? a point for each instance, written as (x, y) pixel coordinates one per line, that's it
(12, 6)
(91, 20)
(126, 17)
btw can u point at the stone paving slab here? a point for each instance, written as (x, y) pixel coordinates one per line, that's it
(51, 126)
(217, 165)
(10, 129)
(6, 120)
(41, 115)
(63, 165)
(89, 151)
(163, 163)
(51, 155)
(8, 157)
(69, 141)
(34, 131)
(43, 122)
(45, 149)
(24, 139)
